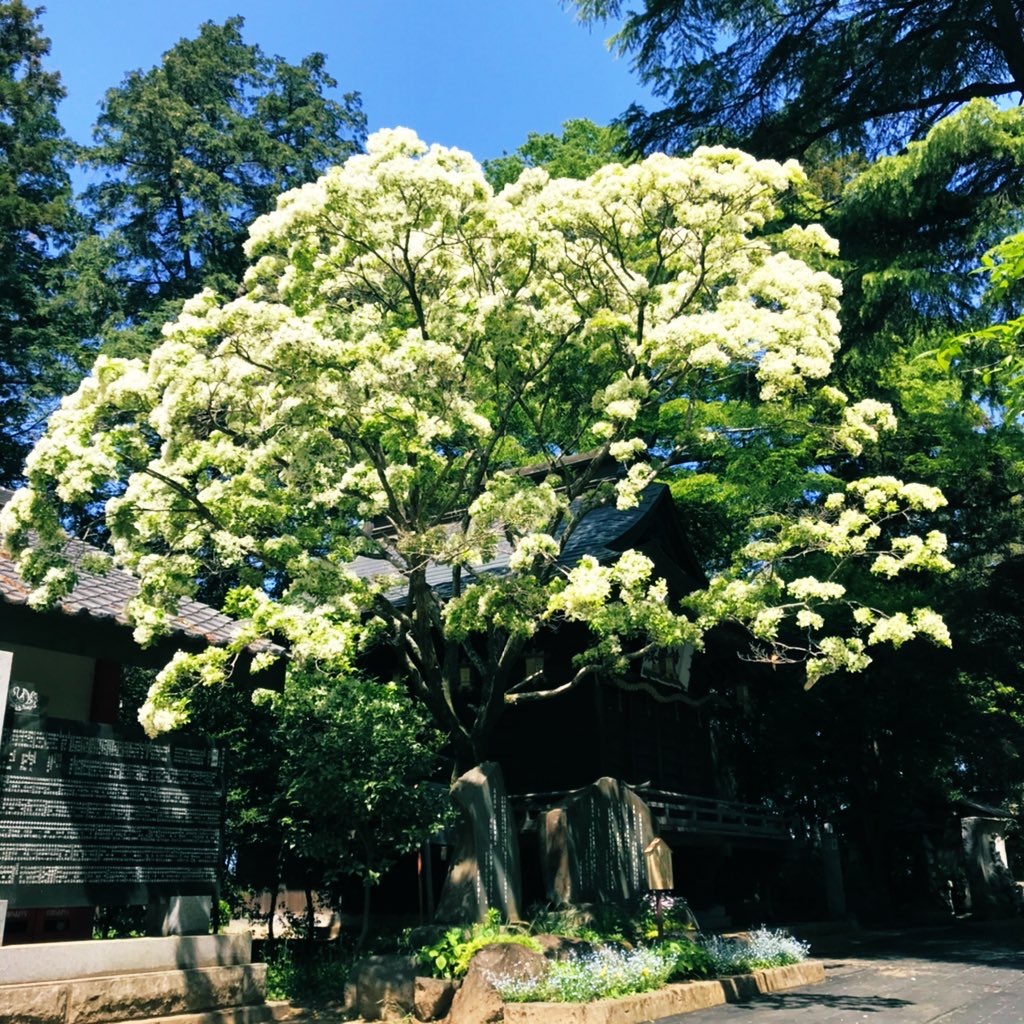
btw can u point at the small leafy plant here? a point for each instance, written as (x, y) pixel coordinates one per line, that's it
(689, 960)
(450, 955)
(314, 974)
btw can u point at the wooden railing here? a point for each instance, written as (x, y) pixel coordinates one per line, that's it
(678, 813)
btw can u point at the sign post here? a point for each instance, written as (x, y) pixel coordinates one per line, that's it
(6, 658)
(92, 816)
(658, 859)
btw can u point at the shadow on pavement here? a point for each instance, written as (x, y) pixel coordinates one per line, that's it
(808, 1000)
(992, 943)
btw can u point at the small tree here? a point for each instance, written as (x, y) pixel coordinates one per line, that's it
(358, 763)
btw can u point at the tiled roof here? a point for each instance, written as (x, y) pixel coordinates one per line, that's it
(105, 596)
(599, 533)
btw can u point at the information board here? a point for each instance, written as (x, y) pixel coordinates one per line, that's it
(94, 816)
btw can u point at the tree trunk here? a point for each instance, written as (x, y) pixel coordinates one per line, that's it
(365, 929)
(310, 915)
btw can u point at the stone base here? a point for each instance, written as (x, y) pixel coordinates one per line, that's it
(134, 997)
(681, 998)
(266, 1013)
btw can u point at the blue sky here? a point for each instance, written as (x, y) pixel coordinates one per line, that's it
(478, 74)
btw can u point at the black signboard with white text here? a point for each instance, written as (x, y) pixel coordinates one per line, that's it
(91, 815)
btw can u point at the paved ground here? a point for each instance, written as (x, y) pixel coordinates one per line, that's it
(965, 974)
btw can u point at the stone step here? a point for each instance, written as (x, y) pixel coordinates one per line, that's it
(262, 1014)
(107, 999)
(271, 1012)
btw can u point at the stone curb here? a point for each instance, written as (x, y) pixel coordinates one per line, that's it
(664, 1002)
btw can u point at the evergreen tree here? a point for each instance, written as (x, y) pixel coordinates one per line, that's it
(191, 152)
(781, 78)
(37, 359)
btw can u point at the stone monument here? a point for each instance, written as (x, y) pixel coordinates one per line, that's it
(593, 843)
(485, 869)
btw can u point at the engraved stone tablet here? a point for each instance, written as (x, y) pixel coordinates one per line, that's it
(92, 815)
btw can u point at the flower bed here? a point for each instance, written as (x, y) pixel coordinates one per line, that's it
(610, 972)
(618, 980)
(670, 999)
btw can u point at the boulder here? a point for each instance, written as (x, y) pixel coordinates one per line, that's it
(477, 1001)
(384, 987)
(432, 997)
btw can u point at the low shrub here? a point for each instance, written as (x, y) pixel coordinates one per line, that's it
(634, 921)
(606, 973)
(603, 923)
(689, 960)
(762, 949)
(450, 955)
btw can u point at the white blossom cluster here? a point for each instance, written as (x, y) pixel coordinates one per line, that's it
(406, 341)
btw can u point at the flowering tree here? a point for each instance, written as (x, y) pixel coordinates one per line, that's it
(406, 342)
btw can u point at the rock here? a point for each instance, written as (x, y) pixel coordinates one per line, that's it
(477, 1001)
(432, 997)
(485, 869)
(993, 890)
(384, 987)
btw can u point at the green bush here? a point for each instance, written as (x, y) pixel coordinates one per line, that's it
(689, 960)
(635, 921)
(450, 955)
(576, 923)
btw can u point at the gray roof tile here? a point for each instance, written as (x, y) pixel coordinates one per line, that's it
(599, 533)
(105, 597)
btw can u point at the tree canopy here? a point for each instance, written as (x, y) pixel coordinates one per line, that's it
(407, 342)
(582, 148)
(190, 152)
(37, 224)
(779, 79)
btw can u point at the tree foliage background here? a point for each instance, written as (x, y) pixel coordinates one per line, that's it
(799, 77)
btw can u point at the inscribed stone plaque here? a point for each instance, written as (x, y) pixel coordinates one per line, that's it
(92, 815)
